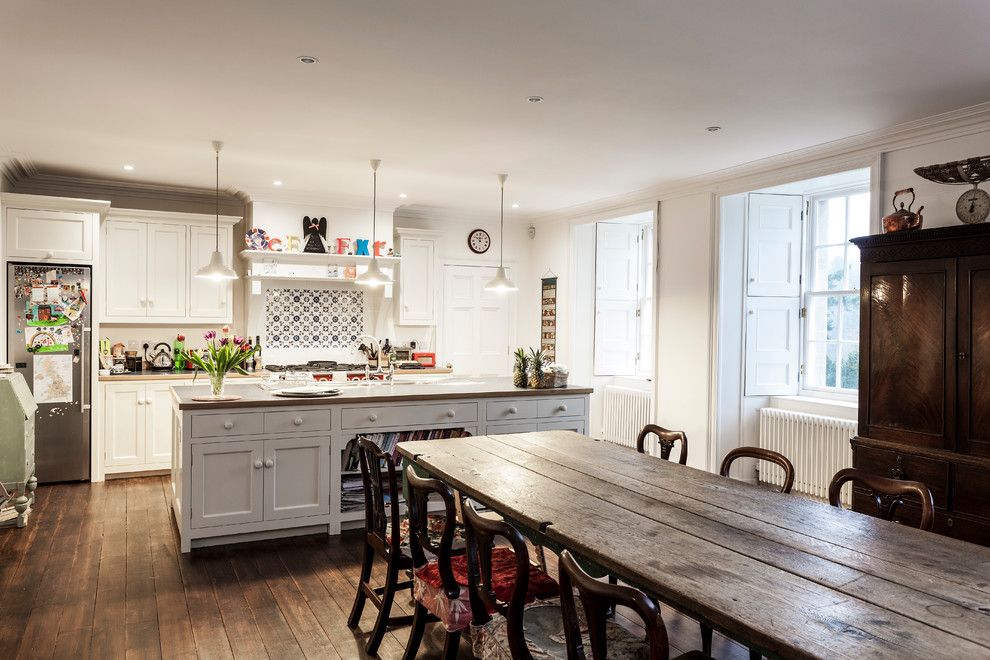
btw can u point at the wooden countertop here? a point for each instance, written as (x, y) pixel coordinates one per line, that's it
(188, 375)
(456, 388)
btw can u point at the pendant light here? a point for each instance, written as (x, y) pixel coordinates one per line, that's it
(501, 282)
(217, 269)
(373, 277)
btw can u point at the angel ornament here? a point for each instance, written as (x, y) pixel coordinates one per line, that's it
(315, 234)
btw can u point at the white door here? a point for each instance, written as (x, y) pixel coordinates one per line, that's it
(297, 477)
(124, 424)
(617, 253)
(125, 258)
(772, 346)
(61, 235)
(417, 282)
(774, 260)
(208, 300)
(158, 426)
(228, 479)
(166, 270)
(477, 330)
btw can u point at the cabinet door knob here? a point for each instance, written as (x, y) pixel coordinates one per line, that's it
(228, 425)
(269, 463)
(297, 421)
(962, 356)
(513, 410)
(258, 464)
(562, 407)
(147, 401)
(140, 402)
(451, 413)
(372, 417)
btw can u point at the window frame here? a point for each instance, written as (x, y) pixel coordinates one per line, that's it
(645, 285)
(808, 292)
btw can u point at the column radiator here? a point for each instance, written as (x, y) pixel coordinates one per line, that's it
(625, 411)
(818, 446)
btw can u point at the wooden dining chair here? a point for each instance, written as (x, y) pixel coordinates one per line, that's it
(888, 494)
(760, 454)
(606, 638)
(665, 440)
(382, 540)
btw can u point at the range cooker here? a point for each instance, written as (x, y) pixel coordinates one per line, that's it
(315, 366)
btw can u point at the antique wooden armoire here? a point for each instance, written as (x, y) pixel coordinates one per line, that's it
(924, 383)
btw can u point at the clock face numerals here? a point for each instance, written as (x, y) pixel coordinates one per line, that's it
(973, 206)
(479, 241)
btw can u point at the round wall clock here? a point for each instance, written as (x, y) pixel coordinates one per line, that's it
(479, 241)
(973, 206)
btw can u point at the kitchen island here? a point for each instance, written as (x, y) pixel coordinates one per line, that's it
(265, 466)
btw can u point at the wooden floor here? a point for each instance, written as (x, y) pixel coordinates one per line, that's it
(97, 573)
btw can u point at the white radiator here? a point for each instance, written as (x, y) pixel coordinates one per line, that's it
(625, 411)
(818, 446)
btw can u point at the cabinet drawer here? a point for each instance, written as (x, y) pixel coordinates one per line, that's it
(506, 411)
(407, 416)
(884, 463)
(970, 490)
(297, 421)
(227, 424)
(562, 407)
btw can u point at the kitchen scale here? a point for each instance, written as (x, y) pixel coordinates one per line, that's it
(973, 206)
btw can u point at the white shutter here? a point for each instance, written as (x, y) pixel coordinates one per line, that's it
(774, 236)
(616, 297)
(772, 346)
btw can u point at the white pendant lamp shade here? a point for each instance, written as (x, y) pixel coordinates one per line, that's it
(501, 282)
(373, 277)
(217, 269)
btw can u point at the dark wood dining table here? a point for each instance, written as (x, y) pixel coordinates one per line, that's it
(791, 576)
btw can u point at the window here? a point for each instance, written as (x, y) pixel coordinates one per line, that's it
(644, 354)
(831, 291)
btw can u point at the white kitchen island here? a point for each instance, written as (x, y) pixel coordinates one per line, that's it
(265, 466)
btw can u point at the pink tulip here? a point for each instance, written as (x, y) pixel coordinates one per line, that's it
(238, 340)
(210, 334)
(226, 329)
(224, 341)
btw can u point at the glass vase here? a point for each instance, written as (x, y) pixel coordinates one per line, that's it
(216, 384)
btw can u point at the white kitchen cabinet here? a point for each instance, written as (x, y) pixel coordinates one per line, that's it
(228, 479)
(59, 236)
(166, 270)
(126, 291)
(297, 477)
(209, 300)
(417, 277)
(137, 426)
(158, 425)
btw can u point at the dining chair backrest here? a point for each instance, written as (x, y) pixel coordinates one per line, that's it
(665, 440)
(380, 479)
(598, 599)
(420, 543)
(761, 454)
(888, 494)
(482, 534)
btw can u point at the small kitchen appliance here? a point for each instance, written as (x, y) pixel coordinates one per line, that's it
(160, 358)
(425, 359)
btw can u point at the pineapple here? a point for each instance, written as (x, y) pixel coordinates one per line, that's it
(519, 368)
(537, 358)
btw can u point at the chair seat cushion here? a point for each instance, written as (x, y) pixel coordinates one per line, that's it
(456, 614)
(434, 528)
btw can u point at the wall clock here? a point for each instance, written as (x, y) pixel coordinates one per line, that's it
(479, 241)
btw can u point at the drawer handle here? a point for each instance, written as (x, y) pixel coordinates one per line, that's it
(897, 472)
(513, 410)
(451, 413)
(269, 463)
(948, 522)
(258, 464)
(297, 421)
(228, 425)
(562, 407)
(372, 417)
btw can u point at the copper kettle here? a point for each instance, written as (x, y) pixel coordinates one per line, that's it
(902, 218)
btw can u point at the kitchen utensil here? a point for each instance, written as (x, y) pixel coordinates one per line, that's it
(973, 205)
(307, 392)
(160, 358)
(902, 219)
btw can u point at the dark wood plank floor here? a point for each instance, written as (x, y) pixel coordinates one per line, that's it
(97, 573)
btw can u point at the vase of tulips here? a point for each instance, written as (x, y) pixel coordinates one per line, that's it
(223, 353)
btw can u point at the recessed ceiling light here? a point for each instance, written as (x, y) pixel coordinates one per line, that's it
(535, 99)
(276, 183)
(128, 168)
(515, 206)
(713, 129)
(403, 195)
(307, 59)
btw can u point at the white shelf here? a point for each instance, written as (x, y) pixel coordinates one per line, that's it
(307, 278)
(312, 258)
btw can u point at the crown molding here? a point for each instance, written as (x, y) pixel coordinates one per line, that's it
(328, 200)
(845, 153)
(452, 215)
(118, 213)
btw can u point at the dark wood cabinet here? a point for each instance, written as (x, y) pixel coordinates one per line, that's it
(924, 399)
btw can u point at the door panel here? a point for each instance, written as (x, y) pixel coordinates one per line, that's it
(158, 425)
(417, 282)
(124, 424)
(973, 357)
(774, 245)
(126, 269)
(298, 482)
(477, 324)
(772, 346)
(166, 270)
(228, 479)
(64, 235)
(208, 299)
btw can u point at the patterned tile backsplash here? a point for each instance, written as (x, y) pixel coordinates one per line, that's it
(314, 318)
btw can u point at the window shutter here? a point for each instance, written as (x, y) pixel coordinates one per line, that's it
(772, 346)
(616, 278)
(774, 237)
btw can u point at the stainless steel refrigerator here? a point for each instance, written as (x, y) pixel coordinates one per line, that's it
(49, 342)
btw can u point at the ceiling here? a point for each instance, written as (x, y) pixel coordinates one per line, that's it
(438, 90)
